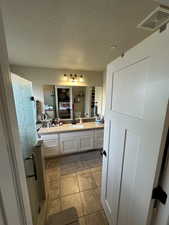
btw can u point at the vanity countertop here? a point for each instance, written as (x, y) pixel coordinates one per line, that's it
(71, 127)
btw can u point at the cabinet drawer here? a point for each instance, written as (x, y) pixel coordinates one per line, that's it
(76, 133)
(50, 143)
(49, 136)
(51, 152)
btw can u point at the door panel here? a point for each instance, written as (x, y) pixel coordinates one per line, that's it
(114, 170)
(137, 101)
(129, 89)
(129, 194)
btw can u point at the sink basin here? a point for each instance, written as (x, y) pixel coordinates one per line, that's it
(77, 125)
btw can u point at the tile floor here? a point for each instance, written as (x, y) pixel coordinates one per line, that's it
(74, 181)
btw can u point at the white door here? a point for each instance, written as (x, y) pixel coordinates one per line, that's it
(137, 98)
(14, 203)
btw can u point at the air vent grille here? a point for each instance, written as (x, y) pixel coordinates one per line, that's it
(155, 20)
(163, 2)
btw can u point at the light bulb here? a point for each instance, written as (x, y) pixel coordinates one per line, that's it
(65, 77)
(75, 78)
(71, 77)
(81, 78)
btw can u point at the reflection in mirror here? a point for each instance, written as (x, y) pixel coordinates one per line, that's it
(78, 97)
(49, 100)
(63, 98)
(72, 102)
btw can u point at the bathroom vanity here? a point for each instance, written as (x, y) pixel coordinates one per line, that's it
(70, 138)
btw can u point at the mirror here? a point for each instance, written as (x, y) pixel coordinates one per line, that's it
(72, 102)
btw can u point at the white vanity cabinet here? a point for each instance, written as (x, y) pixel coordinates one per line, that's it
(76, 141)
(72, 141)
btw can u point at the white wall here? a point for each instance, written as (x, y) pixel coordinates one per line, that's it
(42, 76)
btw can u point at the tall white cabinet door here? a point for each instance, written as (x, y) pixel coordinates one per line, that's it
(137, 99)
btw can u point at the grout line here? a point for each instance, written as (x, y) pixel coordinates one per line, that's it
(93, 188)
(63, 196)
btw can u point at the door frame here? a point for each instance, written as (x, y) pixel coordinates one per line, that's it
(11, 133)
(161, 177)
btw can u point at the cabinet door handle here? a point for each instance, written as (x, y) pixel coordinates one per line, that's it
(103, 153)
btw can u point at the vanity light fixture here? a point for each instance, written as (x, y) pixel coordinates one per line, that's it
(74, 77)
(65, 77)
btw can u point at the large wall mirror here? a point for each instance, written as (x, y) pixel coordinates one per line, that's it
(66, 102)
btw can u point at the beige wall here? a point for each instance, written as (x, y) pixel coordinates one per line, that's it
(42, 76)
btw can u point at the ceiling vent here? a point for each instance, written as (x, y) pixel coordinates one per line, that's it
(155, 19)
(163, 2)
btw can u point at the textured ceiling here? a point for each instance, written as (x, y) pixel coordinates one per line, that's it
(72, 34)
